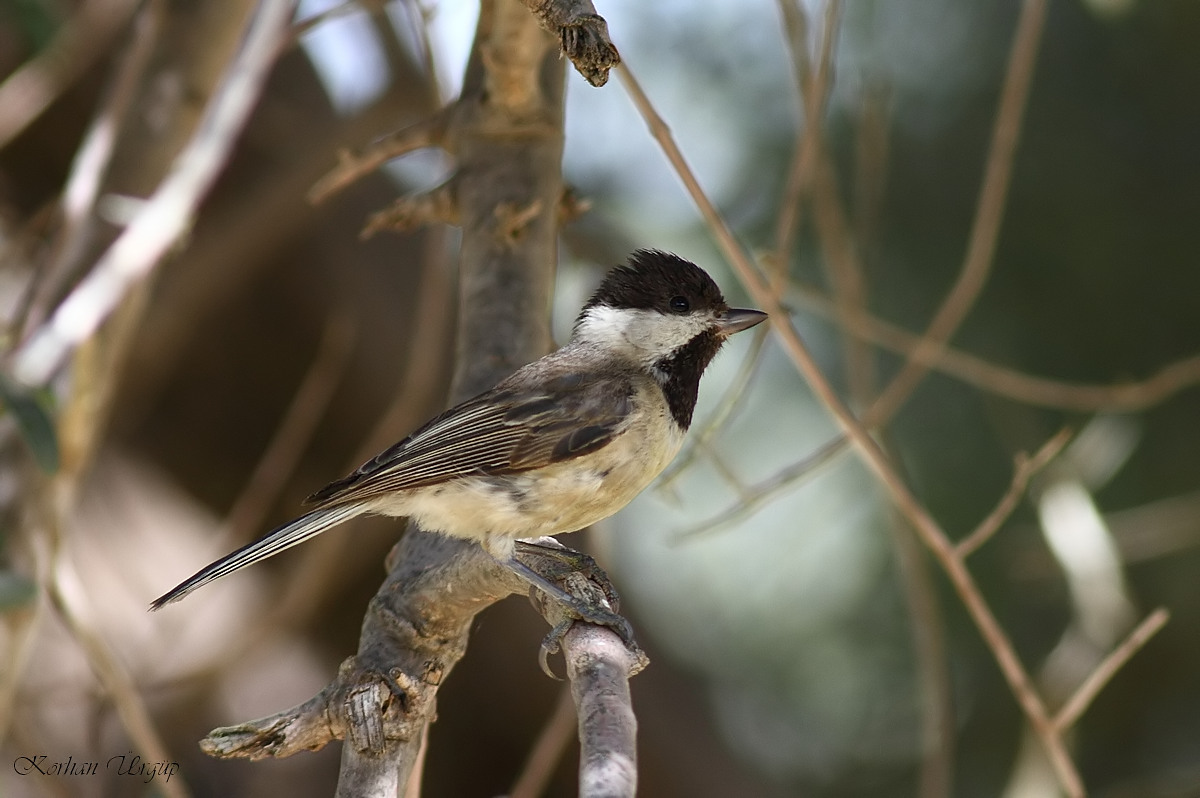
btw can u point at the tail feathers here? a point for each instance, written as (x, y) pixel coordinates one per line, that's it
(275, 541)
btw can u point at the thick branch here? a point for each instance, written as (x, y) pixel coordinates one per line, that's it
(506, 134)
(599, 666)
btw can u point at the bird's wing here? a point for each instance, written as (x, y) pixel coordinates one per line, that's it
(511, 428)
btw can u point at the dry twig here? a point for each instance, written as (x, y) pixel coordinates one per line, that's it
(90, 166)
(1024, 468)
(166, 215)
(872, 455)
(1083, 696)
(1003, 381)
(989, 212)
(353, 166)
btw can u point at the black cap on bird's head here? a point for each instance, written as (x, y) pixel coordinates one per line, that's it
(655, 280)
(668, 284)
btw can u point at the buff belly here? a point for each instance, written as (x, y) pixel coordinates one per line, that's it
(564, 497)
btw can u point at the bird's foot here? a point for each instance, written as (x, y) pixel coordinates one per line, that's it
(576, 589)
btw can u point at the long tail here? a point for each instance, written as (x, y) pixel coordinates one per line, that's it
(275, 541)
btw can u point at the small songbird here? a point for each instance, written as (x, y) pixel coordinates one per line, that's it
(563, 442)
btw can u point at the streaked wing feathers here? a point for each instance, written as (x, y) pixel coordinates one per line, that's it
(506, 430)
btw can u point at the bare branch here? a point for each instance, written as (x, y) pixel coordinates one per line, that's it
(583, 34)
(353, 166)
(993, 193)
(69, 599)
(872, 455)
(599, 666)
(437, 206)
(1001, 380)
(1078, 703)
(294, 431)
(1024, 469)
(91, 163)
(168, 213)
(751, 499)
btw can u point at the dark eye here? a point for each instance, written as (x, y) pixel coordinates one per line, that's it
(680, 304)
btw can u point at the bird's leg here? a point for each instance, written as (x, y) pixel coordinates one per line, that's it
(560, 561)
(598, 606)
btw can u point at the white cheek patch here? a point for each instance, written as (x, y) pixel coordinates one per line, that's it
(644, 335)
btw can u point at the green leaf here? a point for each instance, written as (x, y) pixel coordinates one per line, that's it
(35, 19)
(15, 591)
(37, 428)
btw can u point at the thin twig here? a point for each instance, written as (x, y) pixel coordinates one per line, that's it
(934, 686)
(847, 277)
(294, 431)
(814, 92)
(842, 264)
(551, 744)
(67, 596)
(989, 212)
(1083, 696)
(352, 167)
(929, 530)
(753, 497)
(1004, 381)
(166, 215)
(1024, 467)
(90, 165)
(22, 632)
(416, 393)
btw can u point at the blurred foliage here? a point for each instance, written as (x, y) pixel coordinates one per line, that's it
(32, 20)
(37, 428)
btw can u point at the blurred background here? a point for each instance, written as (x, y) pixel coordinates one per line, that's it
(276, 349)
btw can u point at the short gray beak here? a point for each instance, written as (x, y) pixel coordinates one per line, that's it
(738, 319)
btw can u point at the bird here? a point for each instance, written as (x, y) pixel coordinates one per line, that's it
(563, 442)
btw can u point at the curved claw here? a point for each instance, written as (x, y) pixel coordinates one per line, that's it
(552, 644)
